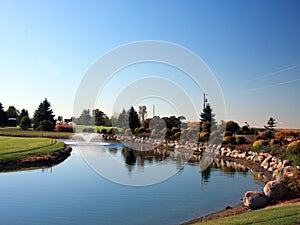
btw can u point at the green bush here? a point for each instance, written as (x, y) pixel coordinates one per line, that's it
(228, 134)
(177, 135)
(239, 132)
(228, 140)
(25, 123)
(294, 147)
(45, 125)
(260, 146)
(240, 140)
(204, 136)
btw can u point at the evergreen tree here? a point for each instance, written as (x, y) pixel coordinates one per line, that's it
(271, 124)
(207, 115)
(85, 118)
(122, 120)
(134, 121)
(98, 117)
(12, 112)
(43, 112)
(3, 117)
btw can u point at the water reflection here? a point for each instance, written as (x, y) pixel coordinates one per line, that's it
(141, 159)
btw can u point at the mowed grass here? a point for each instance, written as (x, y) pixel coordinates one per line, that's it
(21, 147)
(17, 132)
(278, 215)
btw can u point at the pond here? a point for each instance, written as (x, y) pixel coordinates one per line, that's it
(73, 192)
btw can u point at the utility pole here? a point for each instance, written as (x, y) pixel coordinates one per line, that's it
(153, 110)
(204, 100)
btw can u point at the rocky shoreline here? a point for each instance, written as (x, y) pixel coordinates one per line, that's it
(39, 161)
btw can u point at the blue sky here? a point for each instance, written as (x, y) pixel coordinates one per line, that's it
(253, 48)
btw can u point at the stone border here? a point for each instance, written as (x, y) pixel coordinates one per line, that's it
(34, 162)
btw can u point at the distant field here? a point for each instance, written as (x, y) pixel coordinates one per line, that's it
(278, 215)
(20, 147)
(17, 132)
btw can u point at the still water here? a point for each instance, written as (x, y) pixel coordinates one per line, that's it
(73, 193)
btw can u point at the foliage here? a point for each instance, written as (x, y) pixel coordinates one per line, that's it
(45, 125)
(240, 132)
(232, 126)
(293, 183)
(271, 124)
(122, 120)
(3, 116)
(134, 121)
(25, 123)
(64, 128)
(205, 126)
(260, 145)
(228, 140)
(17, 132)
(85, 118)
(44, 112)
(294, 147)
(240, 140)
(204, 136)
(228, 134)
(143, 112)
(12, 112)
(98, 117)
(207, 115)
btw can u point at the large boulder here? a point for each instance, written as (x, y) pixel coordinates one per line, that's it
(275, 190)
(255, 200)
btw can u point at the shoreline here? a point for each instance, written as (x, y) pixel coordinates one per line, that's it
(34, 162)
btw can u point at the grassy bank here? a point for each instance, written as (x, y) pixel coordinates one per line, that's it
(278, 215)
(17, 132)
(20, 147)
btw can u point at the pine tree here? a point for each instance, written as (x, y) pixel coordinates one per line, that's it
(207, 115)
(3, 117)
(43, 112)
(271, 124)
(134, 121)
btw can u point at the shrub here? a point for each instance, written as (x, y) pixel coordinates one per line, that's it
(239, 132)
(203, 136)
(25, 123)
(274, 142)
(294, 147)
(228, 134)
(175, 130)
(260, 145)
(103, 131)
(232, 126)
(293, 183)
(128, 132)
(240, 140)
(228, 140)
(177, 135)
(45, 125)
(64, 128)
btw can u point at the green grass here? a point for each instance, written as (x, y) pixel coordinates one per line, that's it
(283, 215)
(17, 132)
(21, 147)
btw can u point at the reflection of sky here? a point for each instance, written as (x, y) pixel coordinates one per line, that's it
(178, 82)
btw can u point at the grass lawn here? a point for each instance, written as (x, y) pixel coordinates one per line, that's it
(20, 147)
(17, 132)
(278, 215)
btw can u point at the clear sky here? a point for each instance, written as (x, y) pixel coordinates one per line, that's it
(253, 48)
